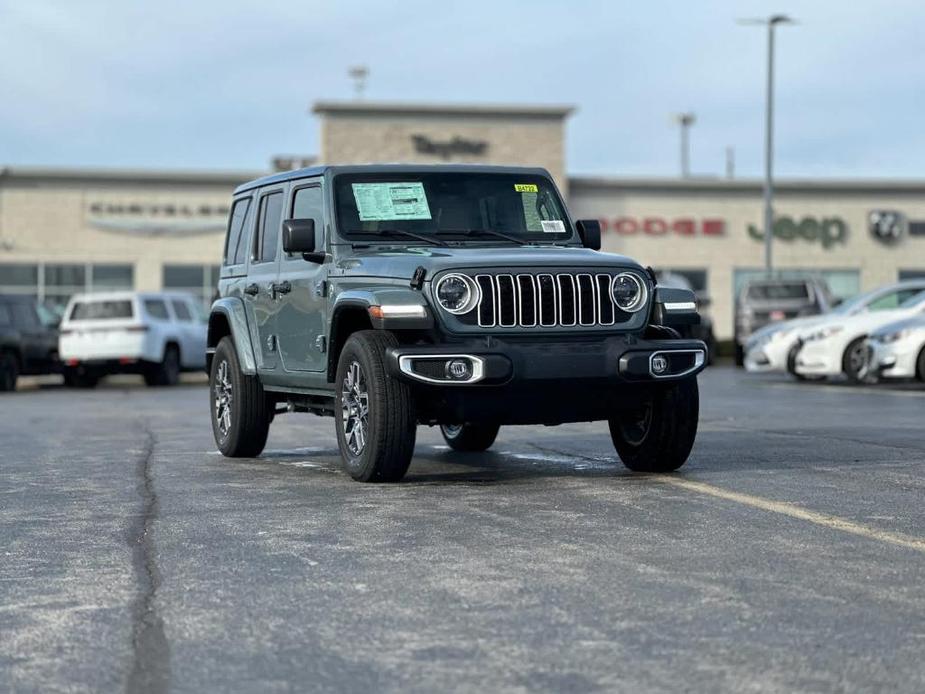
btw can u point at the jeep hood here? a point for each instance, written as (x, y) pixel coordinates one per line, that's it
(400, 263)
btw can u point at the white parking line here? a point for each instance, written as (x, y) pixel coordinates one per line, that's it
(792, 510)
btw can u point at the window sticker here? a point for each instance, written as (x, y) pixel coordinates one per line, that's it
(553, 226)
(387, 201)
(526, 188)
(531, 214)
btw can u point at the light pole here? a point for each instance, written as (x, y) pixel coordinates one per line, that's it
(770, 22)
(685, 120)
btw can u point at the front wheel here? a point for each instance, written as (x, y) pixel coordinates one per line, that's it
(920, 365)
(856, 361)
(374, 412)
(240, 412)
(658, 433)
(469, 437)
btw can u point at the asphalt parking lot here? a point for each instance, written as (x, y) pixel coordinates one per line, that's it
(788, 554)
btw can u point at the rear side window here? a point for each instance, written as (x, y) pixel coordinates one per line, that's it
(156, 308)
(238, 226)
(102, 310)
(24, 314)
(268, 227)
(5, 317)
(764, 292)
(181, 311)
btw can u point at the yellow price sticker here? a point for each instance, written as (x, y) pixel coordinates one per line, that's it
(526, 188)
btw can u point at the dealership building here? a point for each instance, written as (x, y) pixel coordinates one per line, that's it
(66, 230)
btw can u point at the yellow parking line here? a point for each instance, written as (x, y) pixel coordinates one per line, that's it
(794, 511)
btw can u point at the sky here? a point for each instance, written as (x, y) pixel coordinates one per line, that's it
(227, 85)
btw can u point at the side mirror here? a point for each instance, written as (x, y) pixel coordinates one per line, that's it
(589, 230)
(299, 237)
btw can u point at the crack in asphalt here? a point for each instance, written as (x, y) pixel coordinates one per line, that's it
(150, 671)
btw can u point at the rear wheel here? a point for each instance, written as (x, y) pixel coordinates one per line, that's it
(240, 412)
(374, 412)
(856, 361)
(658, 433)
(469, 437)
(167, 373)
(9, 371)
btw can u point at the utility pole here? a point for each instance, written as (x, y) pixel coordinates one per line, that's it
(685, 120)
(359, 74)
(771, 22)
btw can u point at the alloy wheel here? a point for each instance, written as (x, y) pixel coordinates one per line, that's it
(223, 392)
(355, 408)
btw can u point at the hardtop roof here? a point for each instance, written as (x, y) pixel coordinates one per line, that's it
(322, 170)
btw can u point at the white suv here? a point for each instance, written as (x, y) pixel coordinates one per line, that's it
(157, 335)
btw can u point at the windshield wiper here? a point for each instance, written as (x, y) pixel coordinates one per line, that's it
(402, 232)
(485, 232)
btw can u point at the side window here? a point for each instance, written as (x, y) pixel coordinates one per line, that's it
(5, 317)
(181, 310)
(24, 315)
(238, 226)
(308, 203)
(891, 300)
(269, 222)
(156, 308)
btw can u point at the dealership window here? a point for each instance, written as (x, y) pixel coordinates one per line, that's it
(199, 280)
(911, 275)
(842, 283)
(53, 284)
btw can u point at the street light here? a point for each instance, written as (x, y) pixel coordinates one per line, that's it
(770, 22)
(685, 120)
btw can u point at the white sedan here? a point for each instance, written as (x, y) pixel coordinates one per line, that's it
(897, 350)
(838, 346)
(774, 347)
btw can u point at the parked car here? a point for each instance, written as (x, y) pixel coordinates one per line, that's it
(838, 346)
(700, 331)
(897, 350)
(154, 334)
(28, 340)
(764, 301)
(774, 347)
(457, 296)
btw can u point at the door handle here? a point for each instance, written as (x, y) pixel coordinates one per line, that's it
(252, 290)
(281, 288)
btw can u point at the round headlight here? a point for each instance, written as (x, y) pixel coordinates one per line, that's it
(456, 294)
(628, 292)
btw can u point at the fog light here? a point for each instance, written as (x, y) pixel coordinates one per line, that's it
(459, 369)
(659, 364)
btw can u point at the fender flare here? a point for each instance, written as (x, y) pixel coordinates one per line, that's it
(232, 309)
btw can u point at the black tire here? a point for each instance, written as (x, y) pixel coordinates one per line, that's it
(9, 372)
(469, 437)
(376, 446)
(920, 366)
(167, 373)
(739, 354)
(792, 365)
(855, 362)
(239, 408)
(659, 434)
(77, 377)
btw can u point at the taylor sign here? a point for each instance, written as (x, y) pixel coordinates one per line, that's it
(664, 226)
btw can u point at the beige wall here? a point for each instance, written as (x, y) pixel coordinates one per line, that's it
(877, 262)
(356, 138)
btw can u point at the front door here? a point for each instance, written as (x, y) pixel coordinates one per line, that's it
(259, 290)
(302, 311)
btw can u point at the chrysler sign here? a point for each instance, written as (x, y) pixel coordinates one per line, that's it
(158, 219)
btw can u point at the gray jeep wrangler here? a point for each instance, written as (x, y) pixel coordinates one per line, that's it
(458, 296)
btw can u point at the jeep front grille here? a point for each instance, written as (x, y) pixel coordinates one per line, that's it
(546, 300)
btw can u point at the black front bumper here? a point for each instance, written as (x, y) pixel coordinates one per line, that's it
(536, 382)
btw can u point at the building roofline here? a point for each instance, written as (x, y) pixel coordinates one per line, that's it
(747, 185)
(430, 109)
(116, 175)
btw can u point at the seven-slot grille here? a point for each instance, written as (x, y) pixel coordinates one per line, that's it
(546, 300)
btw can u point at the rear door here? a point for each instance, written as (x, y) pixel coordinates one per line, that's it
(301, 318)
(259, 292)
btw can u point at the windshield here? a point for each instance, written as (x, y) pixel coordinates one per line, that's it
(101, 310)
(763, 292)
(444, 205)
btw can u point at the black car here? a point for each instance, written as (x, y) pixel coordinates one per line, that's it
(28, 340)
